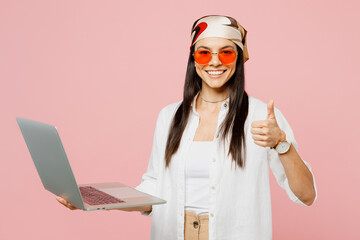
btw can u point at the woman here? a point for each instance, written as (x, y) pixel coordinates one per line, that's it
(212, 150)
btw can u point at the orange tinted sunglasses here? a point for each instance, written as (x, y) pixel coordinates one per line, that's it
(226, 56)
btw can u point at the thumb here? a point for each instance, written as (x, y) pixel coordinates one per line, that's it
(270, 110)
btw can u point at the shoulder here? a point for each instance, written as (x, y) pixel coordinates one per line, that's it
(170, 108)
(167, 112)
(258, 108)
(256, 103)
(165, 117)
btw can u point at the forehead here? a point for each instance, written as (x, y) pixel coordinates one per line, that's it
(214, 43)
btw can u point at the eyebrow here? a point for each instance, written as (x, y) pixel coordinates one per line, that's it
(227, 46)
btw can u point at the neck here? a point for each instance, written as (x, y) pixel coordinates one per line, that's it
(208, 101)
(212, 95)
(216, 96)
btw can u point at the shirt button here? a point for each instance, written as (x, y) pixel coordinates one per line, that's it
(214, 160)
(225, 105)
(213, 188)
(211, 214)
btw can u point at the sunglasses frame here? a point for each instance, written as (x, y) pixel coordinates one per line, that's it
(212, 55)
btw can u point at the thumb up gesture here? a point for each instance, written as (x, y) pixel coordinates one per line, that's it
(266, 133)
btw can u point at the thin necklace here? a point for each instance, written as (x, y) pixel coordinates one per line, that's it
(212, 101)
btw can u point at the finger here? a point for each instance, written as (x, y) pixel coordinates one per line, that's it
(270, 110)
(72, 207)
(260, 123)
(62, 201)
(260, 137)
(258, 131)
(66, 203)
(261, 143)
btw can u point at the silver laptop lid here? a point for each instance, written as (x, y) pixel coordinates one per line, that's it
(50, 160)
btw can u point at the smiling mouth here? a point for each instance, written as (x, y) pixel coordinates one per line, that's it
(215, 73)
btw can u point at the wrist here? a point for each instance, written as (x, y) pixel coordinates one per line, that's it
(282, 138)
(283, 145)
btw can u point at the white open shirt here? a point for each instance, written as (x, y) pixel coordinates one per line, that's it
(240, 202)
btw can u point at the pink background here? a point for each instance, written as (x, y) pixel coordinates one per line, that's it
(102, 70)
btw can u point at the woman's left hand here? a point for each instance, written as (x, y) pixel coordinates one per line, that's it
(266, 133)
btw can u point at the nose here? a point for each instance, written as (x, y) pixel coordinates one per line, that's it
(215, 61)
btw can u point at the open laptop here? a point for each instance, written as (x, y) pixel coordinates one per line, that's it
(48, 154)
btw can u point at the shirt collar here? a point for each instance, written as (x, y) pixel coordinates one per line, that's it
(224, 105)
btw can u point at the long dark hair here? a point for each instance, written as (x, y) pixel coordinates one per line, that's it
(234, 120)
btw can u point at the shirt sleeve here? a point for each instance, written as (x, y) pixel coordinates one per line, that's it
(149, 179)
(276, 165)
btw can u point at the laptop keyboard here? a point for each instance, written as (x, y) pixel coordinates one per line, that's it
(93, 196)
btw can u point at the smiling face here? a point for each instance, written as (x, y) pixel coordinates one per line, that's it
(209, 72)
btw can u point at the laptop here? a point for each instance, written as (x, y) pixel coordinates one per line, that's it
(52, 165)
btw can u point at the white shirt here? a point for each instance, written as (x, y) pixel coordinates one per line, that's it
(240, 201)
(197, 177)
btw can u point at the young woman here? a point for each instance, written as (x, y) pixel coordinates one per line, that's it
(212, 150)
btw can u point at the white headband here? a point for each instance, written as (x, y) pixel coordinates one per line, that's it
(220, 26)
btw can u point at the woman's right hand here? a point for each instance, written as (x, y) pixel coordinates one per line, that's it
(139, 209)
(72, 207)
(66, 203)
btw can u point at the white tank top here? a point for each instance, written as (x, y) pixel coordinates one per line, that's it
(197, 186)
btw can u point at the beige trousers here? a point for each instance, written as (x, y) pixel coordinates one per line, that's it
(196, 226)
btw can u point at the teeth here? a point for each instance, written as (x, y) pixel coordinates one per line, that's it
(215, 72)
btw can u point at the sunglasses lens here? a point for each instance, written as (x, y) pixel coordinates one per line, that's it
(227, 56)
(202, 56)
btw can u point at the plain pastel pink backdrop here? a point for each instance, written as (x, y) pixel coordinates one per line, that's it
(102, 70)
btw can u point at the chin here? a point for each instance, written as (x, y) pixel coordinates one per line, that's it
(215, 85)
